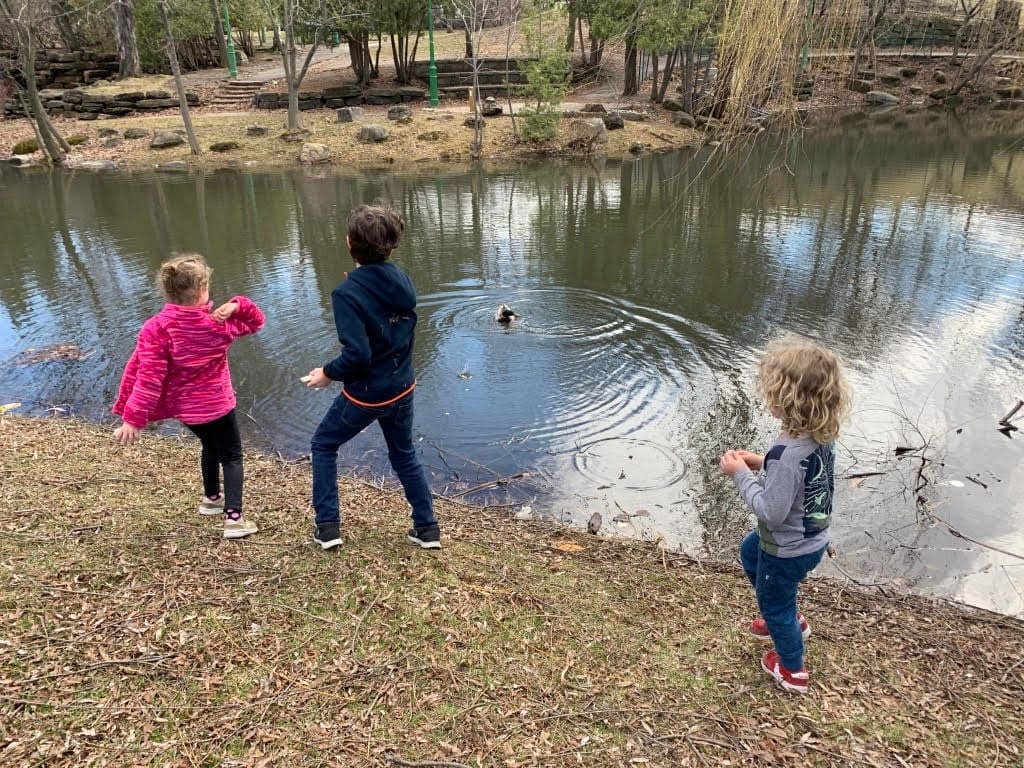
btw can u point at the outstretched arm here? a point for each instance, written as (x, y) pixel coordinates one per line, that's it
(240, 316)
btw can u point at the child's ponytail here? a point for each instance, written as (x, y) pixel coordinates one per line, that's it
(183, 278)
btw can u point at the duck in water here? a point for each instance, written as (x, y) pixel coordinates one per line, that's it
(505, 315)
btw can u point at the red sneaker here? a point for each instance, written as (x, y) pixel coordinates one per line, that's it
(791, 681)
(759, 628)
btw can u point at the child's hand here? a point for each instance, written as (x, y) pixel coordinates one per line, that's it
(224, 311)
(316, 379)
(754, 461)
(126, 434)
(732, 462)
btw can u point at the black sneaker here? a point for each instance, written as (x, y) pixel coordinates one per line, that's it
(327, 536)
(428, 537)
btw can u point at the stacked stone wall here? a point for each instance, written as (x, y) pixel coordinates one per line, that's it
(341, 96)
(94, 106)
(61, 68)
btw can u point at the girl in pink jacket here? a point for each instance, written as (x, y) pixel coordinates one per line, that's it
(179, 370)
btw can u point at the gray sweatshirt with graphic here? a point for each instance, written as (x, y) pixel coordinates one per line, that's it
(792, 497)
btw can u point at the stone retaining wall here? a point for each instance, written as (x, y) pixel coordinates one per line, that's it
(93, 106)
(61, 68)
(341, 96)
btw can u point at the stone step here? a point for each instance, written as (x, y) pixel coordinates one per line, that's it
(239, 85)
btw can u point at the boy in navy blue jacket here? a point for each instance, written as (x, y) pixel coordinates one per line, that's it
(374, 313)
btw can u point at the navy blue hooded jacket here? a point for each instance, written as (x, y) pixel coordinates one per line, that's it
(373, 311)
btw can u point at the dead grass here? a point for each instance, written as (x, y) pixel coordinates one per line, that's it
(135, 635)
(145, 83)
(421, 142)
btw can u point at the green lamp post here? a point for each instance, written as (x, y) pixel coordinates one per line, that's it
(232, 63)
(432, 68)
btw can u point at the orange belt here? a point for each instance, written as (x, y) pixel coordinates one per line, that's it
(393, 400)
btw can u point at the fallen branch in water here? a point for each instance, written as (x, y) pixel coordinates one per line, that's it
(499, 482)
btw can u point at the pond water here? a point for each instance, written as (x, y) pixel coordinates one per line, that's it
(647, 290)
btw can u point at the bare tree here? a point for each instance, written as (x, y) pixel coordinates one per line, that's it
(63, 19)
(124, 33)
(996, 38)
(172, 57)
(294, 72)
(25, 18)
(474, 14)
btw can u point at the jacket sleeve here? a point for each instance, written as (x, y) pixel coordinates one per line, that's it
(355, 354)
(771, 499)
(247, 319)
(153, 356)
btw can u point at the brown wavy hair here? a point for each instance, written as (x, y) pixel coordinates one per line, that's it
(374, 231)
(804, 385)
(183, 278)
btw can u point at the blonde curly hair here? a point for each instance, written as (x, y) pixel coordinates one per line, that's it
(183, 278)
(804, 386)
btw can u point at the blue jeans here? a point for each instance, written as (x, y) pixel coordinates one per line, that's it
(775, 581)
(343, 421)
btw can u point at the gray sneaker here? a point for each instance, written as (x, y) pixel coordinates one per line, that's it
(211, 507)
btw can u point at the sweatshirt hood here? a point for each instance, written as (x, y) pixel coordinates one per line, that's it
(387, 283)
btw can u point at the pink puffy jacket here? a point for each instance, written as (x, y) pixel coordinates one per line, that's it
(179, 369)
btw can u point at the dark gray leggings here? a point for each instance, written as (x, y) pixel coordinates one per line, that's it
(222, 447)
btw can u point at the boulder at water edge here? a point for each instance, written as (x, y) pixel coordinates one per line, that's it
(136, 133)
(588, 132)
(164, 139)
(368, 134)
(598, 109)
(314, 154)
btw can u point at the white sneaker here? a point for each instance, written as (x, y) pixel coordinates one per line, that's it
(238, 529)
(210, 507)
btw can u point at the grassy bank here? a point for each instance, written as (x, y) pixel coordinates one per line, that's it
(134, 634)
(421, 142)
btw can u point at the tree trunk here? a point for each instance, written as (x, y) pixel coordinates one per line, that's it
(666, 77)
(293, 107)
(469, 39)
(654, 76)
(570, 39)
(689, 77)
(63, 13)
(179, 85)
(583, 46)
(50, 144)
(218, 30)
(277, 38)
(124, 34)
(631, 86)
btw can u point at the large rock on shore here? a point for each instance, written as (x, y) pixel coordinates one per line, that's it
(587, 133)
(880, 97)
(314, 154)
(369, 134)
(613, 121)
(400, 114)
(351, 114)
(164, 139)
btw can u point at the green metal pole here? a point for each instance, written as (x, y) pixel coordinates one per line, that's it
(432, 69)
(232, 64)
